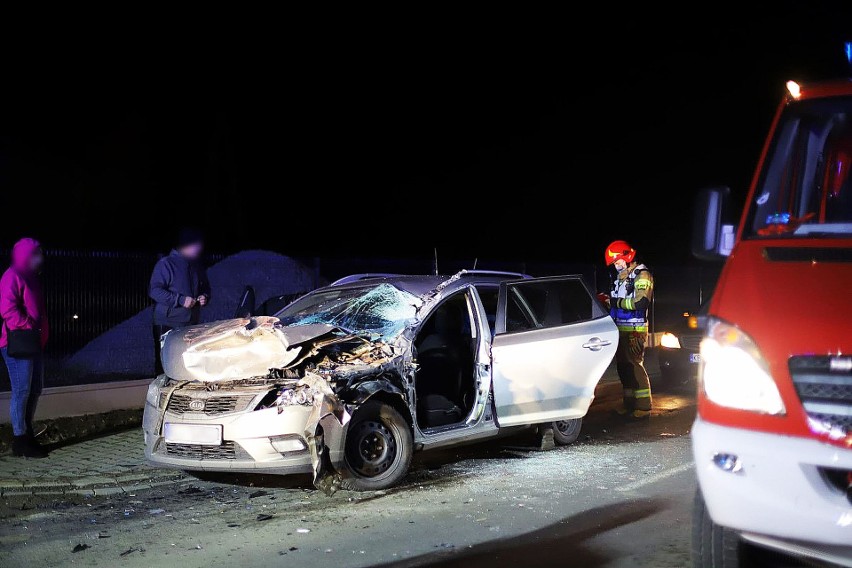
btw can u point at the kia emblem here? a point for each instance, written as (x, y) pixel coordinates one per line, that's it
(196, 405)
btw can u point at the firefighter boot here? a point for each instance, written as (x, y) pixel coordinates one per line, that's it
(628, 403)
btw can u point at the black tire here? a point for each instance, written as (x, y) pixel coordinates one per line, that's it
(669, 379)
(713, 546)
(566, 432)
(378, 448)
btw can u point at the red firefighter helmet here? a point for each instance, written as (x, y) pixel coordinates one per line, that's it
(617, 250)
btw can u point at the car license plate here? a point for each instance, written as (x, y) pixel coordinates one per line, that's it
(201, 434)
(695, 357)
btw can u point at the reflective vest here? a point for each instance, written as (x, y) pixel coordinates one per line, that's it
(628, 320)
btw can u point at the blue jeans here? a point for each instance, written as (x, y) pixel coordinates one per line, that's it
(27, 378)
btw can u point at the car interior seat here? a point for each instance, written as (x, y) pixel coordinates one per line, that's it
(445, 359)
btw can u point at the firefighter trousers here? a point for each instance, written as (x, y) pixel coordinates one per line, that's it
(630, 362)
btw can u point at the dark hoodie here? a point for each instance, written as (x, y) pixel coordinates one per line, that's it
(21, 297)
(174, 279)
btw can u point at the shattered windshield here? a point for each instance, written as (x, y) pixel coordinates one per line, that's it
(805, 188)
(382, 310)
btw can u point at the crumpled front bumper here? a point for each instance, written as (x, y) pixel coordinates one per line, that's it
(247, 441)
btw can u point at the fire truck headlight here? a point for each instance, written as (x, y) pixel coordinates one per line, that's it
(734, 373)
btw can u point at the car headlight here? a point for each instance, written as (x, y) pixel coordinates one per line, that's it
(734, 373)
(153, 395)
(670, 340)
(301, 395)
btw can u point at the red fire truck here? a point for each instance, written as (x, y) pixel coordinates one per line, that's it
(773, 438)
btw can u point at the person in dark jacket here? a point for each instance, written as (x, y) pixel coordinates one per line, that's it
(179, 288)
(22, 307)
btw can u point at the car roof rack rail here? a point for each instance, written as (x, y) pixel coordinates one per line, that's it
(494, 273)
(365, 276)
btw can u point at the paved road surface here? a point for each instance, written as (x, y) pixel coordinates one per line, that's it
(620, 497)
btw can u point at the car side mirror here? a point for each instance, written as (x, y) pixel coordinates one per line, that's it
(245, 309)
(712, 238)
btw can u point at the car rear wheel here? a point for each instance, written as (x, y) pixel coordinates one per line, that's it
(712, 546)
(567, 431)
(378, 448)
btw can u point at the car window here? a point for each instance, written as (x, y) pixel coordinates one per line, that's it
(452, 312)
(489, 296)
(548, 303)
(525, 309)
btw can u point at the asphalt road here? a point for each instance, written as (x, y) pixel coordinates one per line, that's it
(620, 497)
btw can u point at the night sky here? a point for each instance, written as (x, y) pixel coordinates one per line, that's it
(463, 140)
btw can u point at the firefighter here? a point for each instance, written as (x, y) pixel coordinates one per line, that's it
(629, 300)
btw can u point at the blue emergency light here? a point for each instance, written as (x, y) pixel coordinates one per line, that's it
(778, 219)
(847, 47)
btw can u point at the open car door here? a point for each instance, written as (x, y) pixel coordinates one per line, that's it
(553, 341)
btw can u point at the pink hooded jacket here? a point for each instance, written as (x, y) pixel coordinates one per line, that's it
(21, 297)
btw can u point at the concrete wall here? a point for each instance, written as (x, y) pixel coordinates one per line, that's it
(59, 402)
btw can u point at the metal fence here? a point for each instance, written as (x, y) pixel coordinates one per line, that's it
(88, 292)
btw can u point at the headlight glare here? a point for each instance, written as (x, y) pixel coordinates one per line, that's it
(734, 373)
(670, 340)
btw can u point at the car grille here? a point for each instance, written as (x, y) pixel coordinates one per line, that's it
(691, 342)
(226, 451)
(824, 385)
(180, 404)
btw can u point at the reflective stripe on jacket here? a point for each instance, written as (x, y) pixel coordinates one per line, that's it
(630, 298)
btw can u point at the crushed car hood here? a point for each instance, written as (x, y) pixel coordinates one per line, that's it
(235, 349)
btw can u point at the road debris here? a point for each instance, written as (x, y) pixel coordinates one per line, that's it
(258, 493)
(264, 517)
(80, 548)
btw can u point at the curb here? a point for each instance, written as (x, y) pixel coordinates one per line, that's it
(90, 486)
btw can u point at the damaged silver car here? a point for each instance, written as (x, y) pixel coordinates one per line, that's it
(347, 382)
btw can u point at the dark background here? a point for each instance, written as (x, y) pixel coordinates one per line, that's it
(539, 140)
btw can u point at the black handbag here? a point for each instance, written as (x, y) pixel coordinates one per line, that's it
(23, 343)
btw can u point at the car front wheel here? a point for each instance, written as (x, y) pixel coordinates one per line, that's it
(378, 448)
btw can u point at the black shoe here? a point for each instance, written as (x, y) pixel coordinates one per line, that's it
(26, 447)
(33, 433)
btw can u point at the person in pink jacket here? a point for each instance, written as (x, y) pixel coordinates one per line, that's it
(22, 307)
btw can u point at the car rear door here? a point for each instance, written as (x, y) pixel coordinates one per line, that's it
(553, 341)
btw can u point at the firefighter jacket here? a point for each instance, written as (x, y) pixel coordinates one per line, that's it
(631, 298)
